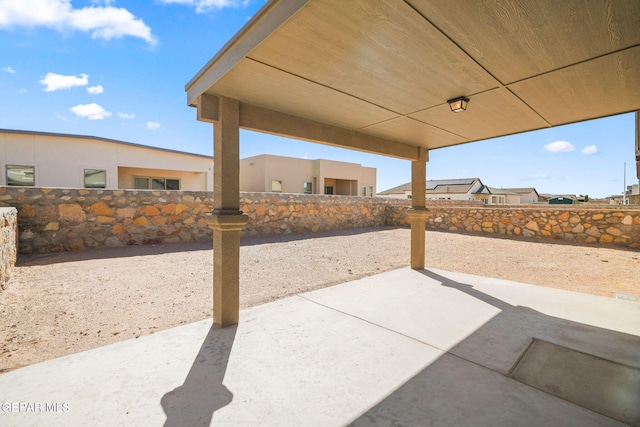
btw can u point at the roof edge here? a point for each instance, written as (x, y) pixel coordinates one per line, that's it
(98, 138)
(270, 16)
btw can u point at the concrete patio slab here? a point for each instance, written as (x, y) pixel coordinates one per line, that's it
(406, 347)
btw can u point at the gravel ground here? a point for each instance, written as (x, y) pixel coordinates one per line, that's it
(60, 304)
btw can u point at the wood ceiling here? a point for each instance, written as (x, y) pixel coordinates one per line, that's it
(386, 68)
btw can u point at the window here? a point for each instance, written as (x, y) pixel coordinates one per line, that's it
(94, 178)
(144, 183)
(364, 190)
(276, 186)
(141, 183)
(307, 188)
(371, 191)
(328, 189)
(21, 175)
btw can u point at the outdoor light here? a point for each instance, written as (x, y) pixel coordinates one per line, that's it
(458, 104)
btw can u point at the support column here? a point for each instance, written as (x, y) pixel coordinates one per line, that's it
(418, 212)
(226, 220)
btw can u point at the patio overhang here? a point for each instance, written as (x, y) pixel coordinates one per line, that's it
(386, 69)
(376, 77)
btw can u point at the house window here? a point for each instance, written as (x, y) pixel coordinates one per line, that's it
(146, 183)
(371, 191)
(364, 190)
(276, 186)
(307, 188)
(21, 175)
(172, 184)
(328, 189)
(141, 183)
(94, 178)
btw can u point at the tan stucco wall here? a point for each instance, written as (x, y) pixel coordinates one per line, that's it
(59, 161)
(257, 172)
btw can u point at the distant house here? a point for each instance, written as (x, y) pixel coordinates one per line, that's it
(467, 189)
(563, 200)
(43, 159)
(279, 174)
(527, 196)
(444, 189)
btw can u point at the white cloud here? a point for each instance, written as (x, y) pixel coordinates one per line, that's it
(559, 147)
(95, 90)
(63, 118)
(54, 81)
(153, 125)
(203, 6)
(536, 177)
(9, 70)
(104, 22)
(591, 149)
(125, 115)
(91, 111)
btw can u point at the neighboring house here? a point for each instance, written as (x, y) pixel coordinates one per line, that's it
(270, 173)
(527, 195)
(444, 189)
(43, 159)
(503, 196)
(563, 199)
(467, 189)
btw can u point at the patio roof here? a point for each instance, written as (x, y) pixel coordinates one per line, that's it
(376, 77)
(332, 71)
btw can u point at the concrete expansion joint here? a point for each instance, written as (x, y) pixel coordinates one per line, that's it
(374, 324)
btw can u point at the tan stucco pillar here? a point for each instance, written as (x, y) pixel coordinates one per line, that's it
(226, 220)
(418, 212)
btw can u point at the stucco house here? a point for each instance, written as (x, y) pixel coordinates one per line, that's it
(466, 189)
(280, 174)
(443, 189)
(44, 159)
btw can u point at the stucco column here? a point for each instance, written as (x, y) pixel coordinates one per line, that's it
(226, 220)
(418, 212)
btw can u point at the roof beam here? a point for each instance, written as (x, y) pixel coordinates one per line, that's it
(281, 124)
(275, 123)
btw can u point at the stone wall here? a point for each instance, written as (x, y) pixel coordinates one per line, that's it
(611, 225)
(8, 243)
(54, 220)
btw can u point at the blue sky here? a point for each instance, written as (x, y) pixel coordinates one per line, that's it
(117, 69)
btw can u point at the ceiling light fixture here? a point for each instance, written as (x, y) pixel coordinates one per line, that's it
(459, 104)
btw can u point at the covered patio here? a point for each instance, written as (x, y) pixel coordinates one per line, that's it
(384, 77)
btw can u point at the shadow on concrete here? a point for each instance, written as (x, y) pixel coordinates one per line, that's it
(474, 382)
(203, 391)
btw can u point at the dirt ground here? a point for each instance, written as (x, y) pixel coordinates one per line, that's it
(60, 304)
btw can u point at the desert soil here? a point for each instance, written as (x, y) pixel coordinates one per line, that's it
(60, 304)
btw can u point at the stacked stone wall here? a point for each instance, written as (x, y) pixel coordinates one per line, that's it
(55, 220)
(8, 241)
(612, 225)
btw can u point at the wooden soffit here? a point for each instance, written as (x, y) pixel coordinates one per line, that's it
(386, 68)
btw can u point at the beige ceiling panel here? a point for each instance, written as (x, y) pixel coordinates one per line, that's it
(494, 113)
(516, 40)
(602, 87)
(404, 129)
(380, 51)
(258, 84)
